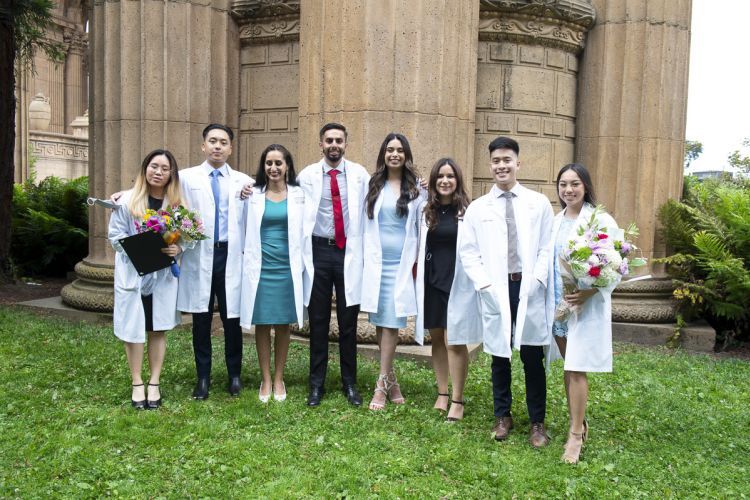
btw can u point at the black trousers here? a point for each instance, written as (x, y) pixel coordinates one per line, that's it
(532, 357)
(329, 273)
(202, 325)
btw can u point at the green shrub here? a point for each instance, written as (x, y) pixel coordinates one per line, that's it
(709, 233)
(50, 226)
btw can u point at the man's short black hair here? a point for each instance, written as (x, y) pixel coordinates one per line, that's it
(504, 143)
(219, 126)
(333, 126)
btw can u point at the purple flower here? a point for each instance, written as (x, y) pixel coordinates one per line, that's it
(624, 267)
(625, 248)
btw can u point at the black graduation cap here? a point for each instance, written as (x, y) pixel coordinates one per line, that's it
(144, 250)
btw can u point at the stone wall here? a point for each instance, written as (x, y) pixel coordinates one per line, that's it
(60, 155)
(529, 93)
(269, 97)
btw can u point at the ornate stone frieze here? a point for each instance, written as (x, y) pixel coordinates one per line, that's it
(267, 20)
(550, 23)
(59, 147)
(578, 12)
(256, 9)
(270, 30)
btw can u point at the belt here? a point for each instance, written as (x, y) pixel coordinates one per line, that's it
(514, 276)
(331, 242)
(220, 244)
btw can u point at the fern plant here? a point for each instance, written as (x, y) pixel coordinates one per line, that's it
(709, 235)
(50, 226)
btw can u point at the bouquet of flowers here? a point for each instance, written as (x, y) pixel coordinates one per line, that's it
(187, 225)
(176, 225)
(596, 258)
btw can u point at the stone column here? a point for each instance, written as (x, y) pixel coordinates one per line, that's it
(385, 66)
(160, 71)
(76, 98)
(631, 130)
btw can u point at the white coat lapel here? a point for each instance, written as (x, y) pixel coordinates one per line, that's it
(521, 211)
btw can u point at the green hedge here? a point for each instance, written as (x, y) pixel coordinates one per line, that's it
(708, 233)
(50, 226)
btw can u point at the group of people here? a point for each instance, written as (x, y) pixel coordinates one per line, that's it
(391, 245)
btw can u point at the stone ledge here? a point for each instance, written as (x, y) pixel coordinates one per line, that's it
(695, 337)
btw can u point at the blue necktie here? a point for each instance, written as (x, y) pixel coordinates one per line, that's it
(217, 198)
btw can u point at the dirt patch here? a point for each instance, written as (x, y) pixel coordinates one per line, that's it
(21, 291)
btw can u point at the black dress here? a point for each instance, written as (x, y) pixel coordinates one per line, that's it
(148, 302)
(439, 265)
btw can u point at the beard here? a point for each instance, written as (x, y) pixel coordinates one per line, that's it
(333, 155)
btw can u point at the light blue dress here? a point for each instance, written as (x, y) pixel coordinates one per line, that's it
(392, 230)
(560, 328)
(274, 302)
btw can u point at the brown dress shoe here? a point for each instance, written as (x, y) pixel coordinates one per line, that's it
(538, 436)
(502, 428)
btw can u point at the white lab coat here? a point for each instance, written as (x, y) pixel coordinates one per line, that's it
(357, 180)
(405, 297)
(197, 263)
(128, 317)
(589, 345)
(253, 258)
(484, 255)
(464, 310)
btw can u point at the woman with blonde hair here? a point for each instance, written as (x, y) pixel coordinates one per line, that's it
(145, 306)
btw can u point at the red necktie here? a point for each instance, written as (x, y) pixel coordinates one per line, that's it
(338, 213)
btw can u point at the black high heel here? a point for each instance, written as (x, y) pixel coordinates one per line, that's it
(454, 419)
(153, 405)
(138, 405)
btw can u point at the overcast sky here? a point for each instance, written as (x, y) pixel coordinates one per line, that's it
(719, 88)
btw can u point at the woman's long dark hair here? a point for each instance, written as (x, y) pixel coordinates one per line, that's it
(409, 188)
(260, 176)
(460, 199)
(583, 174)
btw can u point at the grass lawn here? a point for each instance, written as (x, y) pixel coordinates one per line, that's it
(665, 424)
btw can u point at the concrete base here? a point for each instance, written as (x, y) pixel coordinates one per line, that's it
(55, 306)
(694, 337)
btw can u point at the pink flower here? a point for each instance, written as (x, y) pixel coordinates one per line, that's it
(594, 272)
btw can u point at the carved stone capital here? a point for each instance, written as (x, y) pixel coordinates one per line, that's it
(646, 301)
(551, 23)
(94, 288)
(75, 41)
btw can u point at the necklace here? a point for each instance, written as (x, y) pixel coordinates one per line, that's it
(444, 209)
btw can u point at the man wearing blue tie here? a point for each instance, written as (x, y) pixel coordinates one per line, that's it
(212, 269)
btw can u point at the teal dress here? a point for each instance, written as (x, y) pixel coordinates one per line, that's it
(274, 300)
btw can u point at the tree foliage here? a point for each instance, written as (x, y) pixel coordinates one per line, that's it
(740, 158)
(709, 233)
(693, 149)
(22, 32)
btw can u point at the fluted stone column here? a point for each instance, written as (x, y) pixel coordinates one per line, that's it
(631, 130)
(160, 71)
(389, 66)
(76, 89)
